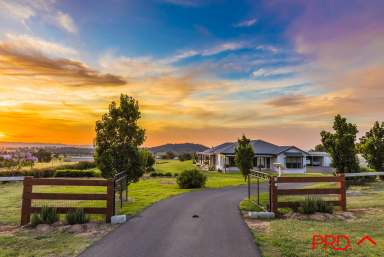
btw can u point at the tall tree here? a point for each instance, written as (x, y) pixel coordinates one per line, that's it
(244, 159)
(371, 146)
(117, 139)
(341, 145)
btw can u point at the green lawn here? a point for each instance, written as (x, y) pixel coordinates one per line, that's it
(173, 166)
(34, 244)
(291, 237)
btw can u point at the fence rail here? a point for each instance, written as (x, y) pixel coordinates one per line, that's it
(364, 174)
(28, 196)
(12, 178)
(276, 192)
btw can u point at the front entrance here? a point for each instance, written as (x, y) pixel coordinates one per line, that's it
(263, 162)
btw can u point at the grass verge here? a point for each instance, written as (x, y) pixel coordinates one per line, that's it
(293, 238)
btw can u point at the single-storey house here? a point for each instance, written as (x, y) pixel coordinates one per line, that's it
(290, 159)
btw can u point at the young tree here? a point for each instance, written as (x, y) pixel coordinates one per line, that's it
(147, 160)
(117, 139)
(341, 145)
(372, 146)
(244, 159)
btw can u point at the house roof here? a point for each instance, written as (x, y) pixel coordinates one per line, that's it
(258, 146)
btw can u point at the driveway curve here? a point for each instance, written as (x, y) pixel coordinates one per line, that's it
(168, 229)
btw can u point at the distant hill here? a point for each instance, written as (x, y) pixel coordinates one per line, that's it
(178, 148)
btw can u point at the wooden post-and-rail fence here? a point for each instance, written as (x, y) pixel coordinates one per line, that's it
(276, 192)
(29, 195)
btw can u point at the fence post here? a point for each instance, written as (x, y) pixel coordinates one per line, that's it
(26, 201)
(110, 200)
(343, 194)
(274, 195)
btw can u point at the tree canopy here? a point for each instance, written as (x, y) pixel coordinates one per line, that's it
(341, 145)
(118, 136)
(371, 146)
(320, 148)
(244, 156)
(43, 155)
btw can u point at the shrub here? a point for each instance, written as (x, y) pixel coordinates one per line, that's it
(191, 179)
(313, 204)
(82, 165)
(175, 174)
(309, 206)
(153, 174)
(35, 220)
(323, 206)
(48, 215)
(50, 171)
(168, 174)
(76, 173)
(76, 216)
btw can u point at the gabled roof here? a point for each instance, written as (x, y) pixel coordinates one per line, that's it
(259, 147)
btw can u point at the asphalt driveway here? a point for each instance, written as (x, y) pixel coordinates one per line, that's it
(168, 229)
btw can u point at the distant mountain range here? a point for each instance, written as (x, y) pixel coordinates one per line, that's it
(178, 148)
(175, 148)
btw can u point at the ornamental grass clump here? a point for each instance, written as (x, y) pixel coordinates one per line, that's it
(77, 216)
(48, 215)
(313, 204)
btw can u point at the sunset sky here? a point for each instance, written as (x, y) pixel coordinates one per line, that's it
(202, 71)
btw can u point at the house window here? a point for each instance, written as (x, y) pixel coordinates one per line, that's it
(294, 162)
(231, 161)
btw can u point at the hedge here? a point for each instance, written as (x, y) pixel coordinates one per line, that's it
(76, 173)
(50, 171)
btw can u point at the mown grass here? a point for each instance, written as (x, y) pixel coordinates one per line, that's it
(291, 237)
(173, 166)
(31, 244)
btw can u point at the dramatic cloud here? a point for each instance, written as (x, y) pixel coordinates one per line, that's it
(129, 67)
(21, 12)
(28, 45)
(23, 56)
(44, 10)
